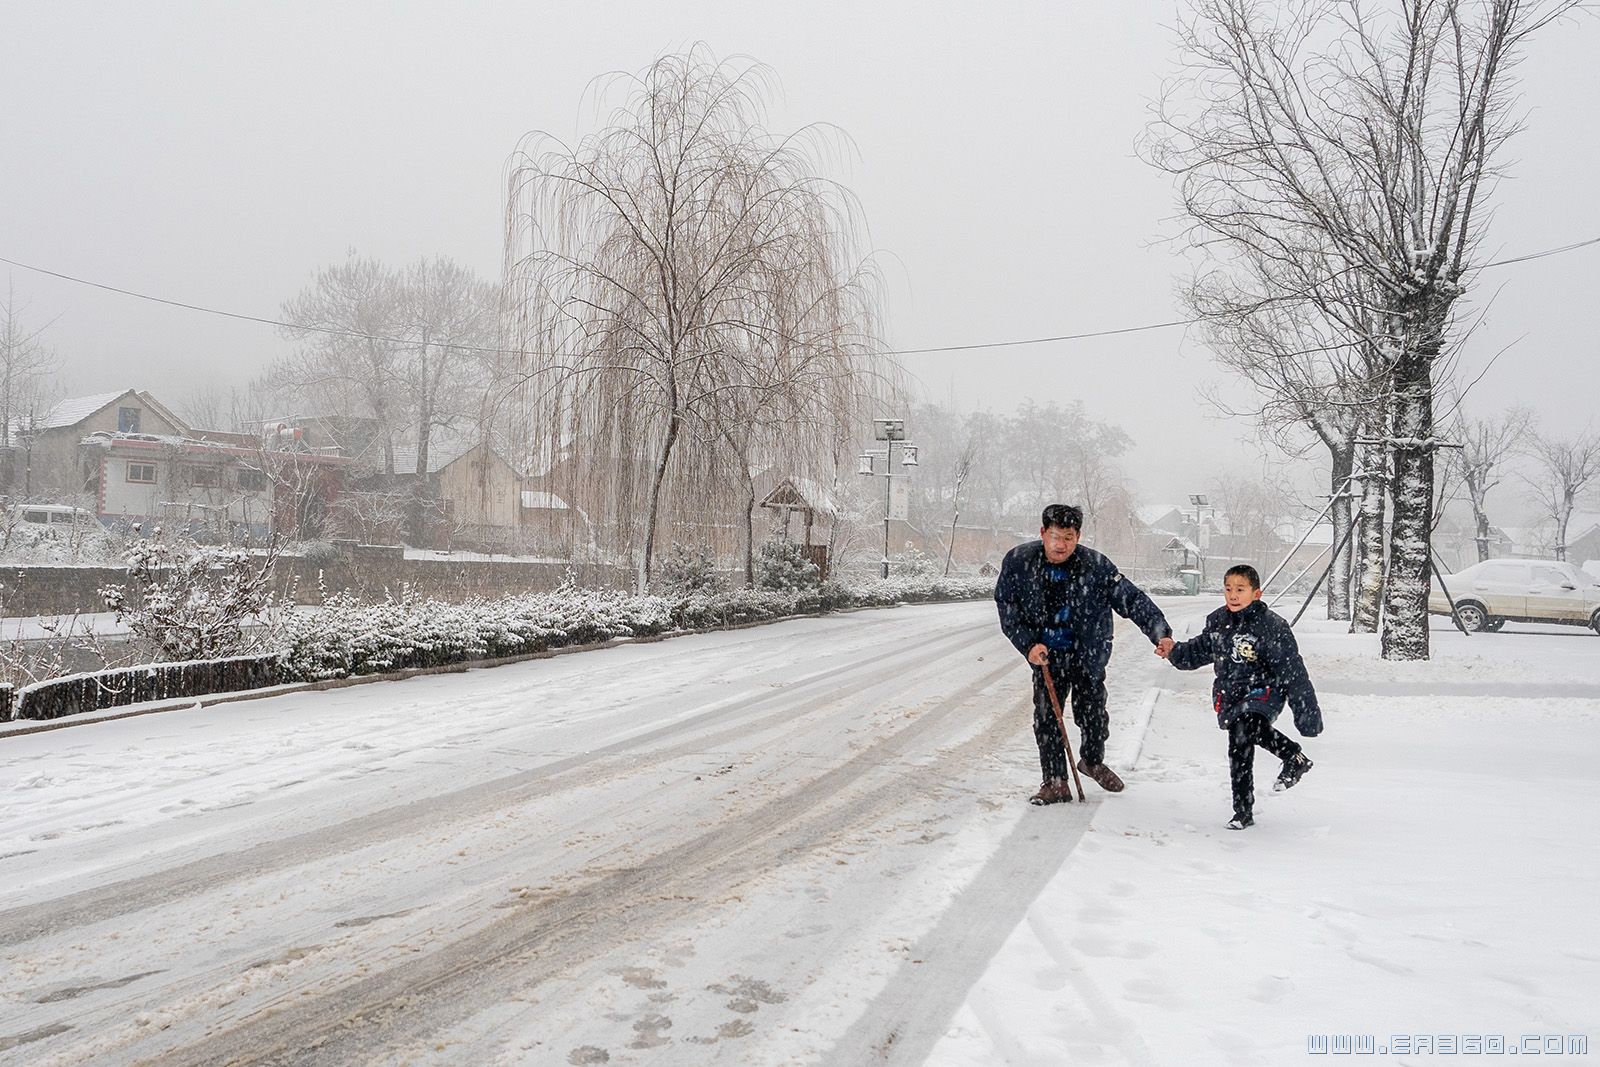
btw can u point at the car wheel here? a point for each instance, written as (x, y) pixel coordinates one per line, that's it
(1473, 617)
(1595, 622)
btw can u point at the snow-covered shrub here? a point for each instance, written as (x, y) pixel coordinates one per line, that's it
(914, 563)
(188, 600)
(347, 637)
(688, 571)
(702, 612)
(910, 589)
(781, 565)
(1168, 586)
(318, 553)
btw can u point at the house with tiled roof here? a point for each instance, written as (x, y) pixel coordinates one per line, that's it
(43, 460)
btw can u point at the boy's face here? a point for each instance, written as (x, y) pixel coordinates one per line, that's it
(1058, 542)
(1238, 592)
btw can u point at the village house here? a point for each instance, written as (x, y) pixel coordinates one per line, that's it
(478, 500)
(42, 462)
(222, 487)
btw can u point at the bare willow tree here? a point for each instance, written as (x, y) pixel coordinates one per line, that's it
(1365, 139)
(676, 269)
(1481, 462)
(1567, 466)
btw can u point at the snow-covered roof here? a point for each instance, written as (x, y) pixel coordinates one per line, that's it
(75, 409)
(1524, 537)
(800, 493)
(1150, 514)
(440, 456)
(1580, 523)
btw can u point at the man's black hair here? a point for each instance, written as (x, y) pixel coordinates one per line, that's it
(1245, 571)
(1064, 516)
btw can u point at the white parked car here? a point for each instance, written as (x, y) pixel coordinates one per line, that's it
(56, 515)
(1490, 594)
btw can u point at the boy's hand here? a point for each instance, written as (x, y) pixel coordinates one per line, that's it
(1038, 655)
(1164, 647)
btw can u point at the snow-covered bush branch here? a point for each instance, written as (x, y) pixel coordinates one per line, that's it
(188, 600)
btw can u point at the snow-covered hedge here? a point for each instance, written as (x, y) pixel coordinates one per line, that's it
(346, 637)
(350, 638)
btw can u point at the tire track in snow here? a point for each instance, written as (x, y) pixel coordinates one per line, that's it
(30, 922)
(357, 1022)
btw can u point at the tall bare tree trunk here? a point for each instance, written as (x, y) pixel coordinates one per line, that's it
(421, 492)
(1405, 620)
(1480, 523)
(1339, 569)
(658, 478)
(1371, 524)
(750, 532)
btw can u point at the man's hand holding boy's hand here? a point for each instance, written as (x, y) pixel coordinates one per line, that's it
(1164, 647)
(1038, 655)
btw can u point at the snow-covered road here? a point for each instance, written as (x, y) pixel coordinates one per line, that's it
(795, 843)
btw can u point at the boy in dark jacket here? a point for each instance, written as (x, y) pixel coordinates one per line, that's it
(1055, 599)
(1258, 667)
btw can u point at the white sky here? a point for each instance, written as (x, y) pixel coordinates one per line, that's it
(220, 154)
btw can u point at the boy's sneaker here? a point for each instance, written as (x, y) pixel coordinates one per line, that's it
(1294, 769)
(1104, 776)
(1052, 791)
(1241, 820)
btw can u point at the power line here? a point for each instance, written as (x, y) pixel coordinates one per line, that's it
(359, 335)
(334, 330)
(1043, 340)
(1546, 252)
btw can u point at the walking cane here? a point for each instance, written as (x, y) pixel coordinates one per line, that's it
(1055, 702)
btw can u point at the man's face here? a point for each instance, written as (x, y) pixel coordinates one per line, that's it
(1239, 593)
(1058, 543)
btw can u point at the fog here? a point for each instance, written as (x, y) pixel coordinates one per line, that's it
(217, 155)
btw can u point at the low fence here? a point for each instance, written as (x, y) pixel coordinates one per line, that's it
(78, 693)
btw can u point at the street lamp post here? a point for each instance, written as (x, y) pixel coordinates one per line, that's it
(891, 432)
(1200, 502)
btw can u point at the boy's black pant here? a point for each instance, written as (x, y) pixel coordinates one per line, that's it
(1087, 693)
(1244, 735)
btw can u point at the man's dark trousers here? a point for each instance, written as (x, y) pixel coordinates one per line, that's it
(1246, 732)
(1087, 694)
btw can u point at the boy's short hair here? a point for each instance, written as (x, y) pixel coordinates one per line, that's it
(1063, 516)
(1245, 571)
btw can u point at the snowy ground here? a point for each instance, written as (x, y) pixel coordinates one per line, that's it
(1431, 885)
(803, 843)
(50, 627)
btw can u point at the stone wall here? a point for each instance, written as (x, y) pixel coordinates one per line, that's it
(369, 571)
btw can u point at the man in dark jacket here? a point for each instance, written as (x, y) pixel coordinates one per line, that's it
(1055, 599)
(1258, 668)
